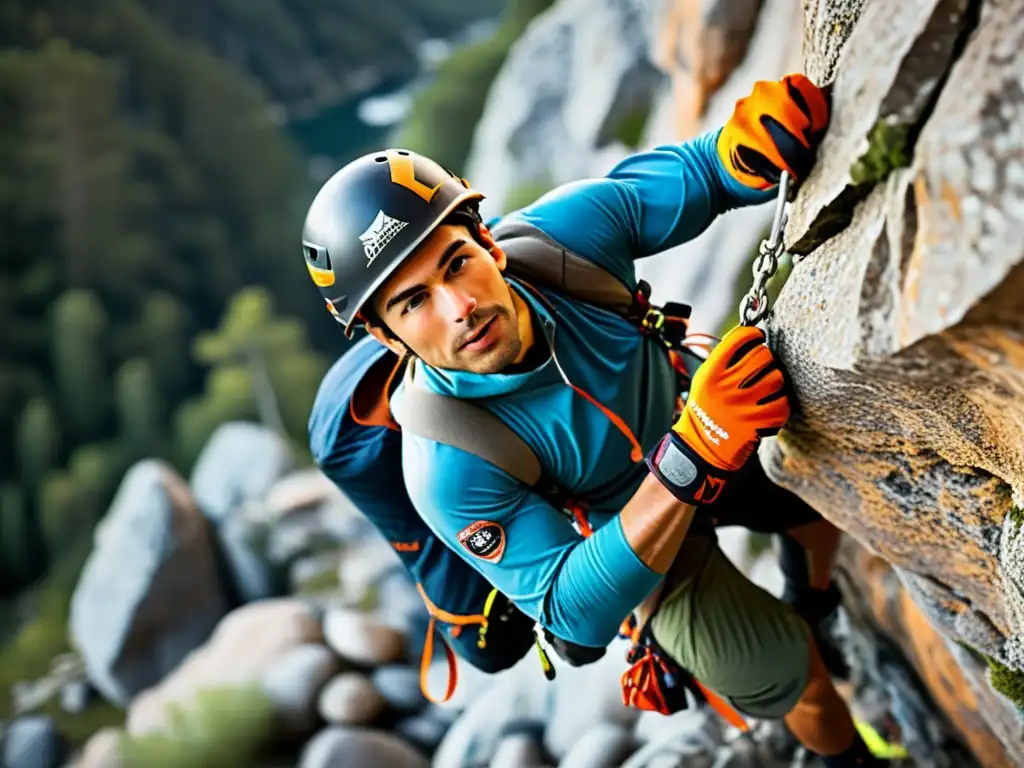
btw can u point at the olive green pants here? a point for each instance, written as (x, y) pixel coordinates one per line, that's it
(734, 637)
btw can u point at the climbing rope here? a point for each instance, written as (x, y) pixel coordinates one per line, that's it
(754, 305)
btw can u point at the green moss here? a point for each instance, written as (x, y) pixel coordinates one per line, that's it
(30, 654)
(322, 582)
(1017, 516)
(78, 728)
(370, 600)
(224, 727)
(888, 149)
(1008, 682)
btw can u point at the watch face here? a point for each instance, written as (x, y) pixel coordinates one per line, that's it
(676, 466)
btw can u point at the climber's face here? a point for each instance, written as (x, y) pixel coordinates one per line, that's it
(450, 305)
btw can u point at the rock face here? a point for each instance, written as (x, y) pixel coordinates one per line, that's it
(701, 44)
(150, 591)
(903, 325)
(892, 69)
(546, 113)
(888, 617)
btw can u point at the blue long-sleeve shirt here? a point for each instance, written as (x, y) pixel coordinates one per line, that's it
(580, 589)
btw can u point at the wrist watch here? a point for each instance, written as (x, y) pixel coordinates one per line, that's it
(684, 472)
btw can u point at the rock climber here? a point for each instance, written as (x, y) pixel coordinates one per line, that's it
(396, 245)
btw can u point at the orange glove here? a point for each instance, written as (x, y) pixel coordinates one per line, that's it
(777, 128)
(737, 396)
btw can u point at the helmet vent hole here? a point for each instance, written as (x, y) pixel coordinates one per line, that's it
(313, 255)
(403, 152)
(380, 159)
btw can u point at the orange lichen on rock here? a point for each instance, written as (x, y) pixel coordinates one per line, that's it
(885, 604)
(700, 44)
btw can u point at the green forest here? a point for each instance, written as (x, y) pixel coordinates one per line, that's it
(151, 285)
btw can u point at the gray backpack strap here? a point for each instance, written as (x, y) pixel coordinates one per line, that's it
(462, 424)
(537, 259)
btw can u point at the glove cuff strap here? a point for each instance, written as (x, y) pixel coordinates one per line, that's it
(684, 472)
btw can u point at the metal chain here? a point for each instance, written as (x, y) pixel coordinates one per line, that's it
(754, 305)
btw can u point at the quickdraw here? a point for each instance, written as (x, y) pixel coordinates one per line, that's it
(754, 305)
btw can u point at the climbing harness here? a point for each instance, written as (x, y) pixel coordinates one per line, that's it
(754, 306)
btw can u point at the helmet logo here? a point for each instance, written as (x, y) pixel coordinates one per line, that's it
(403, 173)
(380, 232)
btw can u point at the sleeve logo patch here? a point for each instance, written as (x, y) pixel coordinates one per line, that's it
(484, 539)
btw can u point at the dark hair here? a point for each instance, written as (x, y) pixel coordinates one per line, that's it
(467, 216)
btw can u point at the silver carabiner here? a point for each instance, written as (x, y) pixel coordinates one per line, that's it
(754, 305)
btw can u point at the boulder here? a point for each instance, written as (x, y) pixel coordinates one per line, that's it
(518, 750)
(232, 479)
(101, 750)
(33, 742)
(339, 746)
(514, 697)
(602, 745)
(239, 463)
(305, 489)
(248, 646)
(400, 687)
(350, 699)
(363, 566)
(75, 696)
(582, 696)
(361, 639)
(424, 731)
(149, 592)
(295, 682)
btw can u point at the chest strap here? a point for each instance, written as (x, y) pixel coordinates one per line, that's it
(462, 424)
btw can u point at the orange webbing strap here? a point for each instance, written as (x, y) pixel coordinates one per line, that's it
(459, 621)
(636, 452)
(725, 711)
(427, 657)
(580, 519)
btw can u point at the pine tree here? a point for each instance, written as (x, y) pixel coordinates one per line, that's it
(79, 363)
(166, 328)
(38, 441)
(15, 540)
(140, 407)
(64, 510)
(261, 366)
(95, 469)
